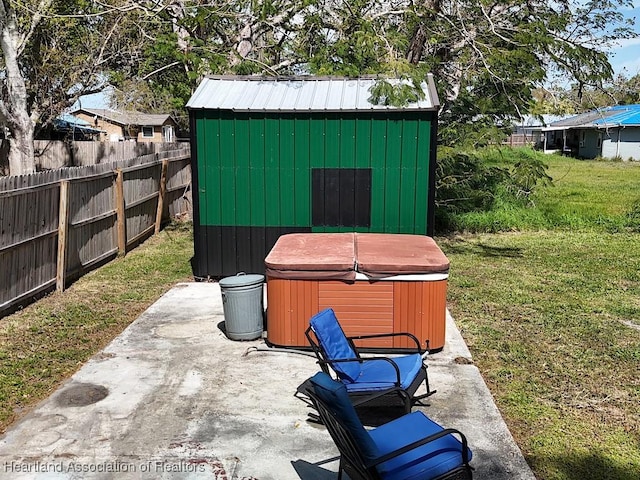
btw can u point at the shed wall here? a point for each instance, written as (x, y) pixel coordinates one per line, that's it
(257, 178)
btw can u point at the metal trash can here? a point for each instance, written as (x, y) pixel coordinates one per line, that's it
(242, 301)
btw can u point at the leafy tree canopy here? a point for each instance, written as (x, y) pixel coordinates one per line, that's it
(562, 100)
(487, 56)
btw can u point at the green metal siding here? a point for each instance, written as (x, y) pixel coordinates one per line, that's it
(254, 169)
(257, 192)
(408, 166)
(302, 167)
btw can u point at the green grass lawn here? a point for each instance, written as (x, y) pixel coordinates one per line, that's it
(584, 195)
(591, 193)
(550, 308)
(551, 313)
(547, 317)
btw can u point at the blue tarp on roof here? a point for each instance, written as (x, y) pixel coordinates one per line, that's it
(619, 115)
(624, 115)
(67, 122)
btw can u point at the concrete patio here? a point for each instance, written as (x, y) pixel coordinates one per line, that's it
(173, 398)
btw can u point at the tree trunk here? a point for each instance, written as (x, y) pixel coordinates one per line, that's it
(13, 108)
(21, 149)
(416, 46)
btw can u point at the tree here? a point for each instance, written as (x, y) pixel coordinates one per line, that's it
(571, 100)
(53, 51)
(487, 56)
(14, 110)
(626, 91)
(172, 45)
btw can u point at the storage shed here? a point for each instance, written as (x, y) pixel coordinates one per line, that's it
(272, 156)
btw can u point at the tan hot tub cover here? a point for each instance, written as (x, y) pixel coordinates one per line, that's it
(317, 256)
(382, 255)
(339, 256)
(376, 283)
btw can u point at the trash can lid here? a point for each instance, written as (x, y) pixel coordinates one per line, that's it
(242, 280)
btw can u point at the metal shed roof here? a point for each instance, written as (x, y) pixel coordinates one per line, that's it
(291, 94)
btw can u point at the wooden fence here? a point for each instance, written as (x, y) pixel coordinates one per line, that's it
(57, 225)
(53, 154)
(519, 140)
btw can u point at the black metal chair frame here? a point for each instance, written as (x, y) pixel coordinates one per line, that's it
(378, 397)
(351, 460)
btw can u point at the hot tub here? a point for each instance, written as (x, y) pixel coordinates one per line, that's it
(376, 283)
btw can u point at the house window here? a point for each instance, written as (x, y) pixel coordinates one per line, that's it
(167, 133)
(147, 132)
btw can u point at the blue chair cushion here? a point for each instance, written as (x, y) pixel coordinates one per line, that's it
(335, 344)
(380, 374)
(334, 395)
(425, 462)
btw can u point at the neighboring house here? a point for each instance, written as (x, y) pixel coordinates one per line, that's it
(141, 127)
(612, 132)
(527, 130)
(70, 127)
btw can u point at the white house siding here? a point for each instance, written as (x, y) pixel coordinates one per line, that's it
(626, 147)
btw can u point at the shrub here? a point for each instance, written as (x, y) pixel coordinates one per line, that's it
(527, 174)
(485, 180)
(464, 183)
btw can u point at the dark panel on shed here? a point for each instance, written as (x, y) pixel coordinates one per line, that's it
(341, 197)
(347, 195)
(243, 248)
(229, 246)
(362, 201)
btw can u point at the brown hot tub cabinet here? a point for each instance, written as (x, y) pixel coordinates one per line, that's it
(376, 283)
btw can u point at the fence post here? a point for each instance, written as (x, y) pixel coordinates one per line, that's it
(121, 213)
(161, 194)
(63, 228)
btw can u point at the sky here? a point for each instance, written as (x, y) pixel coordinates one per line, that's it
(95, 100)
(625, 59)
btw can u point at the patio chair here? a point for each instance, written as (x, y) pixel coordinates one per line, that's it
(410, 447)
(373, 380)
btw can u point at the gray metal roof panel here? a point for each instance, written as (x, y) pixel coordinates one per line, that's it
(296, 94)
(255, 96)
(333, 100)
(233, 93)
(360, 99)
(197, 96)
(318, 100)
(278, 95)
